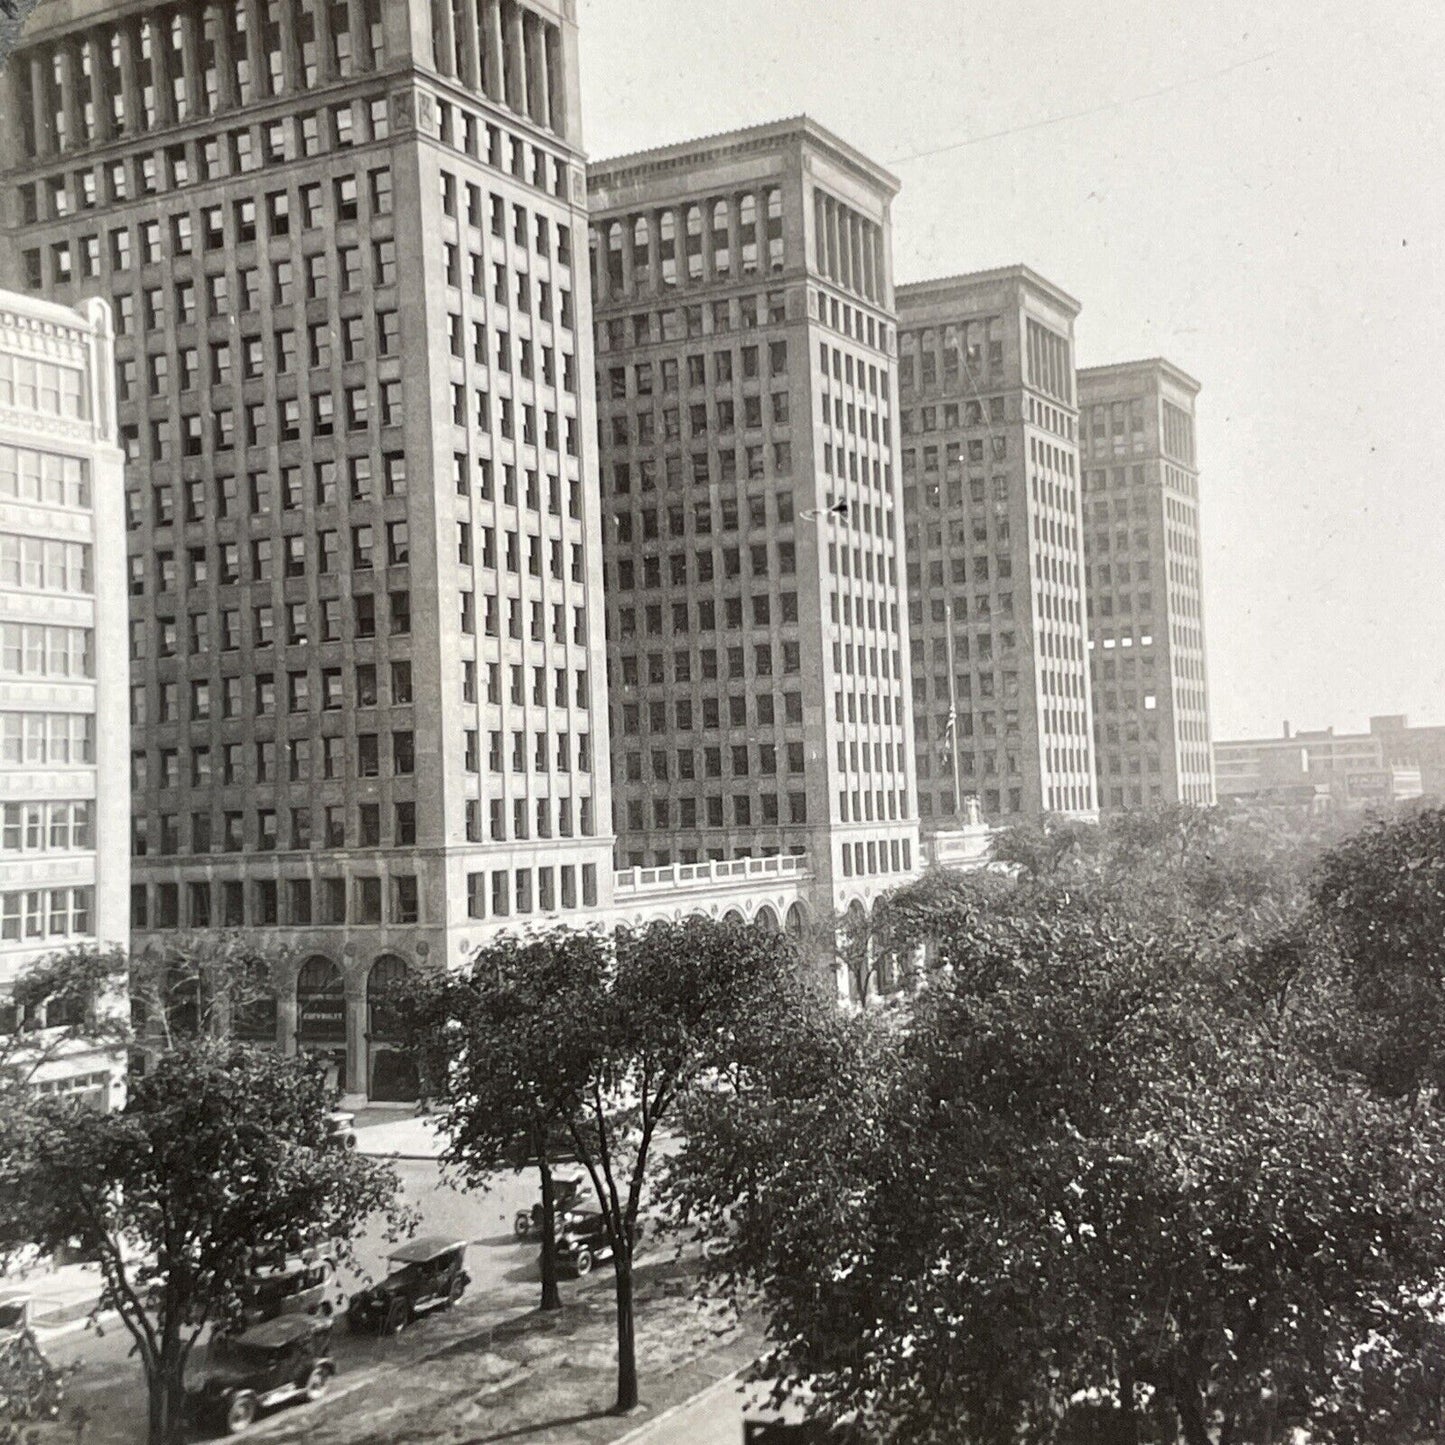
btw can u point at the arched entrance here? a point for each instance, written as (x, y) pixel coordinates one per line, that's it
(855, 952)
(766, 918)
(732, 916)
(391, 1074)
(795, 921)
(321, 1016)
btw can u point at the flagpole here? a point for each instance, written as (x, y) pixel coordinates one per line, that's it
(953, 710)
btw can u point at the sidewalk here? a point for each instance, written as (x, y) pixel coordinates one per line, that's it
(59, 1294)
(405, 1137)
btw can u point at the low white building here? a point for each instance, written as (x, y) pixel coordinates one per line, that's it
(64, 674)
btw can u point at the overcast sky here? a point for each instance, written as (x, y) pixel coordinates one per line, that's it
(1254, 192)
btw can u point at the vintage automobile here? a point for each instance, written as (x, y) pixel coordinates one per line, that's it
(426, 1274)
(270, 1364)
(582, 1241)
(340, 1129)
(566, 1191)
(299, 1285)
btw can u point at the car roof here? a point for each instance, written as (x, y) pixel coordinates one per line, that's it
(426, 1248)
(283, 1331)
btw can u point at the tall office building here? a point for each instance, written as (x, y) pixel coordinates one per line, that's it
(64, 802)
(1146, 616)
(995, 547)
(354, 355)
(756, 629)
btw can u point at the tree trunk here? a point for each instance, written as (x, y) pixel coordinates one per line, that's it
(1189, 1405)
(166, 1384)
(1128, 1405)
(551, 1295)
(626, 1329)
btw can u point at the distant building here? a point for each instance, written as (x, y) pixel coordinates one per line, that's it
(64, 782)
(757, 643)
(991, 496)
(1145, 585)
(1313, 769)
(1421, 747)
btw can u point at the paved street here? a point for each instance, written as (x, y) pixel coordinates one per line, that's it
(505, 1281)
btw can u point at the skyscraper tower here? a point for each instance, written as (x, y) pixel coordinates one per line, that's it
(995, 547)
(757, 635)
(354, 357)
(1146, 614)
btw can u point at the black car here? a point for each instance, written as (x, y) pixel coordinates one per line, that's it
(426, 1274)
(582, 1241)
(273, 1363)
(567, 1189)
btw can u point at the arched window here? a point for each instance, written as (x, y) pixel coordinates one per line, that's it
(722, 262)
(693, 226)
(748, 233)
(320, 1001)
(614, 257)
(387, 980)
(641, 253)
(667, 247)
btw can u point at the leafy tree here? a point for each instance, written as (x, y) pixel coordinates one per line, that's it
(200, 983)
(679, 1007)
(1087, 1164)
(59, 1005)
(509, 1050)
(1382, 894)
(220, 1152)
(1048, 847)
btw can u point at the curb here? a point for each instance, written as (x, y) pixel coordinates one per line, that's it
(639, 1431)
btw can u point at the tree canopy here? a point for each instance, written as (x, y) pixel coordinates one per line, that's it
(221, 1152)
(1096, 1163)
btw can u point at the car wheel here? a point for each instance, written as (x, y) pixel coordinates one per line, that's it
(523, 1225)
(240, 1412)
(317, 1381)
(455, 1292)
(583, 1263)
(396, 1318)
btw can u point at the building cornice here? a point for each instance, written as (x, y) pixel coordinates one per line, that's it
(727, 145)
(1115, 370)
(943, 288)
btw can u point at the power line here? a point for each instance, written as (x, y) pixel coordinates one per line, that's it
(1080, 114)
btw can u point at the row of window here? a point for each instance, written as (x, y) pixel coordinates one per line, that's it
(33, 649)
(530, 890)
(257, 359)
(740, 756)
(201, 639)
(45, 478)
(294, 902)
(698, 243)
(55, 739)
(47, 913)
(975, 344)
(767, 810)
(892, 855)
(995, 801)
(326, 828)
(167, 67)
(46, 387)
(40, 564)
(52, 827)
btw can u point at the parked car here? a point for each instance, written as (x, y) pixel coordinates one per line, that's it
(270, 1364)
(340, 1129)
(426, 1274)
(300, 1285)
(582, 1241)
(567, 1189)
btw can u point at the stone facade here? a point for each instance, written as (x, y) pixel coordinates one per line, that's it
(64, 799)
(354, 356)
(991, 493)
(1145, 585)
(757, 636)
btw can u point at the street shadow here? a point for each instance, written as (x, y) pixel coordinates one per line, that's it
(526, 1273)
(538, 1427)
(496, 1241)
